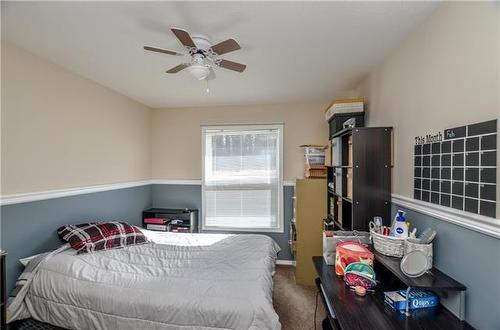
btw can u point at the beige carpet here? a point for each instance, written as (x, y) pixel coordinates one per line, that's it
(295, 303)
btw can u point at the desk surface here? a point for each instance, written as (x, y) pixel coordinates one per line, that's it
(370, 312)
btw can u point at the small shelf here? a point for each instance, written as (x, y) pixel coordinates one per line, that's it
(346, 199)
(175, 220)
(339, 196)
(338, 224)
(343, 132)
(340, 166)
(434, 279)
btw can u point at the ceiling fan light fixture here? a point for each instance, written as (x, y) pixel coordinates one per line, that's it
(199, 71)
(204, 56)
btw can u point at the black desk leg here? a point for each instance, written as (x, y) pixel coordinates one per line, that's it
(326, 324)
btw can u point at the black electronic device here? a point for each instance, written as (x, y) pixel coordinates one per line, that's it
(173, 220)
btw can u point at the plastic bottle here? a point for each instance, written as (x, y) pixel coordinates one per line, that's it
(400, 226)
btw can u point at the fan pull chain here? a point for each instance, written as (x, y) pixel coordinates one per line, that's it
(208, 89)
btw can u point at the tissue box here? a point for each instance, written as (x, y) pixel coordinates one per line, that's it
(418, 299)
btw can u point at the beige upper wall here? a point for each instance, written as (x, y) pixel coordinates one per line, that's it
(176, 138)
(446, 74)
(60, 130)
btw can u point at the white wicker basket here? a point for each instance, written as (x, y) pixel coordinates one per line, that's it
(424, 248)
(388, 245)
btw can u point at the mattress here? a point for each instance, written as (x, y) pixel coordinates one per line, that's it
(178, 281)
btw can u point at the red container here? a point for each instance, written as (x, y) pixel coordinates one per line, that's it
(349, 252)
(155, 221)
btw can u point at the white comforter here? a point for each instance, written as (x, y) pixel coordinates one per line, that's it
(181, 281)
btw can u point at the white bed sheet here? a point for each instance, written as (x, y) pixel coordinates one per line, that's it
(180, 281)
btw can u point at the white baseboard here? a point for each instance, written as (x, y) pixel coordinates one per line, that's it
(285, 262)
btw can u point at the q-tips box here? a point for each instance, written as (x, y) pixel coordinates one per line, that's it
(418, 299)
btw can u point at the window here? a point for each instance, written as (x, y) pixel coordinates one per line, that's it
(242, 178)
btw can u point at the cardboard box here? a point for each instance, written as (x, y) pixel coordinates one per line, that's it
(328, 154)
(349, 150)
(315, 171)
(349, 183)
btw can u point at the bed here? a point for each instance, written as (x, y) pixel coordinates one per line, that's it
(178, 281)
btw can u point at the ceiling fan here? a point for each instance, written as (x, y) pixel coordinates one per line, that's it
(204, 55)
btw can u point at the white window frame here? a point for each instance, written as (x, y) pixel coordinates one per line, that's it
(280, 215)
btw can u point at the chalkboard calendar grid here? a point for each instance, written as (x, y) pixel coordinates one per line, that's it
(460, 170)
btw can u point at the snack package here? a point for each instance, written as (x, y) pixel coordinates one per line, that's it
(349, 252)
(360, 274)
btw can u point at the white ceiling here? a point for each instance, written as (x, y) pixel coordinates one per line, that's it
(294, 51)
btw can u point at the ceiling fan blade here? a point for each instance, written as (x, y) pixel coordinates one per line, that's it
(226, 46)
(183, 37)
(164, 51)
(232, 65)
(178, 68)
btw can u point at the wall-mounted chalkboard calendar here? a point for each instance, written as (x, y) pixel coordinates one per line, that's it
(458, 168)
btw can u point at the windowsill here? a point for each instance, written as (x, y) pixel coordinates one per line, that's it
(239, 230)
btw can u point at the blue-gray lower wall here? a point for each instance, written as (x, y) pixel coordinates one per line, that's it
(174, 195)
(471, 258)
(30, 228)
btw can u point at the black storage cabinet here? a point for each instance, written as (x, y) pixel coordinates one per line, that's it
(336, 122)
(189, 217)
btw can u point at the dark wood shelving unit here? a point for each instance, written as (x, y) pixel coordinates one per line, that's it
(359, 177)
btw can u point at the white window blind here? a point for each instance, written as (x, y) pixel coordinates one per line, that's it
(242, 177)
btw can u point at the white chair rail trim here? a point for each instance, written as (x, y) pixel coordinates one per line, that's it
(58, 193)
(476, 222)
(51, 194)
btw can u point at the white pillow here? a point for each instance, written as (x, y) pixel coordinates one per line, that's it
(25, 261)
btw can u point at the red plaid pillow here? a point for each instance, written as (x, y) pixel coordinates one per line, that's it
(90, 237)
